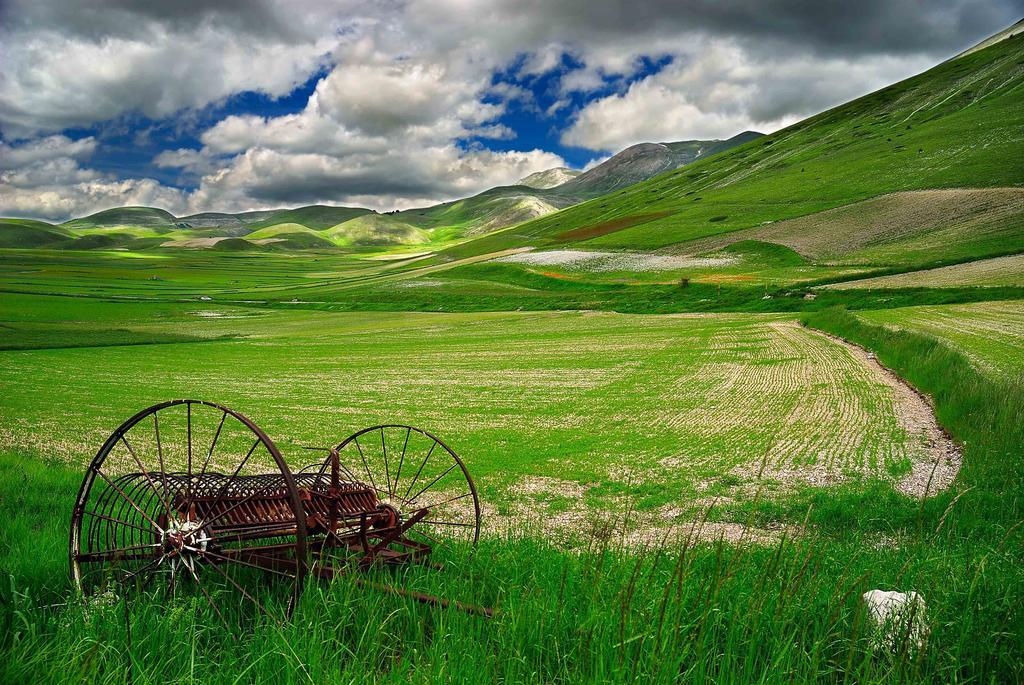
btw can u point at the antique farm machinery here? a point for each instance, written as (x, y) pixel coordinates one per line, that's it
(191, 493)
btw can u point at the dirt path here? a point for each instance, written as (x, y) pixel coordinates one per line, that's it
(936, 473)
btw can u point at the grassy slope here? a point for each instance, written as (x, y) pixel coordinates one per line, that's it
(317, 217)
(956, 125)
(125, 216)
(28, 233)
(488, 211)
(376, 229)
(899, 229)
(1008, 270)
(990, 334)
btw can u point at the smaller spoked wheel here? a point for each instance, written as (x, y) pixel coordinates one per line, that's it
(415, 476)
(190, 495)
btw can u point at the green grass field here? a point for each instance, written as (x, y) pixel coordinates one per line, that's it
(990, 334)
(599, 431)
(662, 412)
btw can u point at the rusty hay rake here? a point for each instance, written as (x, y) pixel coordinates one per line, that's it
(192, 493)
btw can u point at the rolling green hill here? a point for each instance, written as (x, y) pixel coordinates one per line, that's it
(28, 233)
(126, 216)
(958, 125)
(317, 217)
(485, 212)
(376, 229)
(643, 161)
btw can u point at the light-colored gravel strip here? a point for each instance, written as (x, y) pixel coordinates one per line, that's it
(927, 477)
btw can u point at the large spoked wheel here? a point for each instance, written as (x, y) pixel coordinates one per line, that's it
(191, 494)
(410, 470)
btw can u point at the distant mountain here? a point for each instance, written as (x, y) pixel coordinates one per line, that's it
(316, 217)
(957, 127)
(646, 160)
(549, 178)
(325, 226)
(126, 216)
(215, 220)
(487, 211)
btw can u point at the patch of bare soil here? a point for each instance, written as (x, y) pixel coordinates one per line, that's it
(556, 509)
(884, 219)
(609, 226)
(936, 473)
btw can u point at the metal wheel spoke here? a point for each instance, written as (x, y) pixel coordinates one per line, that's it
(387, 469)
(420, 470)
(209, 454)
(401, 459)
(117, 521)
(448, 523)
(238, 587)
(145, 474)
(365, 464)
(236, 560)
(188, 414)
(450, 499)
(431, 484)
(116, 553)
(130, 501)
(238, 469)
(159, 450)
(209, 599)
(155, 562)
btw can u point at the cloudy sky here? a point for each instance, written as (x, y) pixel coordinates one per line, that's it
(231, 105)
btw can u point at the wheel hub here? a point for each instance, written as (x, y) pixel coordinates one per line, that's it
(183, 538)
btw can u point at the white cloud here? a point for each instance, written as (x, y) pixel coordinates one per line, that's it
(43, 178)
(407, 84)
(56, 79)
(58, 202)
(718, 89)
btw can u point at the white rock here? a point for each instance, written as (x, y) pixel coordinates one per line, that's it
(897, 616)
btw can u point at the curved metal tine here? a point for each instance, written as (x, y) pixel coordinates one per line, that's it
(323, 466)
(213, 445)
(145, 474)
(159, 450)
(387, 468)
(116, 553)
(401, 460)
(111, 503)
(365, 464)
(420, 470)
(450, 499)
(133, 488)
(117, 521)
(238, 469)
(130, 501)
(266, 488)
(431, 483)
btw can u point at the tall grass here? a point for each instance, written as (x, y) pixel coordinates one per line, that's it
(689, 612)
